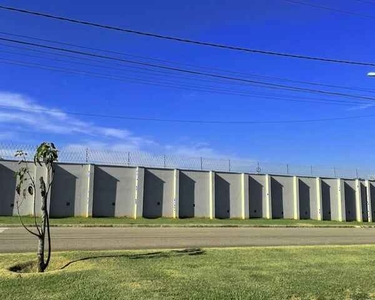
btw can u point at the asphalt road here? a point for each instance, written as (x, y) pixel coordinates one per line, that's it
(70, 238)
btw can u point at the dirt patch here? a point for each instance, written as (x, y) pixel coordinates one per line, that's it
(26, 267)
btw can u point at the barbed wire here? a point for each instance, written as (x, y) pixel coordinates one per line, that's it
(84, 155)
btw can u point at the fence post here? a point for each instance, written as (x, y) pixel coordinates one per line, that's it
(128, 158)
(229, 165)
(87, 155)
(311, 170)
(356, 173)
(258, 169)
(201, 163)
(164, 161)
(287, 169)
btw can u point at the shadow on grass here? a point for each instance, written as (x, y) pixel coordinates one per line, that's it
(26, 267)
(150, 255)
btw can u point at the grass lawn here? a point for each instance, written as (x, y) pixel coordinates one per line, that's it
(319, 272)
(9, 221)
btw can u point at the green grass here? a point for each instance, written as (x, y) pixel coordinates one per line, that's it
(9, 221)
(319, 272)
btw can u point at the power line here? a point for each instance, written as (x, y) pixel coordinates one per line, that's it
(329, 8)
(226, 91)
(183, 40)
(183, 87)
(184, 64)
(190, 120)
(122, 67)
(364, 1)
(230, 78)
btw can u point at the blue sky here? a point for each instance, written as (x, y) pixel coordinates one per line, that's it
(270, 25)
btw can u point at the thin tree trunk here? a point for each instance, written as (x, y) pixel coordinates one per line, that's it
(45, 155)
(49, 242)
(41, 266)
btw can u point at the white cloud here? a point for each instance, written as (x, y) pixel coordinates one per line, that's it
(17, 109)
(106, 144)
(98, 146)
(116, 133)
(197, 149)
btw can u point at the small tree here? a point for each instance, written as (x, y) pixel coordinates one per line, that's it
(45, 156)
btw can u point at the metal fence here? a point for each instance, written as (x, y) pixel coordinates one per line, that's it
(146, 159)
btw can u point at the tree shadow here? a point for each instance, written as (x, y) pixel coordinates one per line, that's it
(150, 255)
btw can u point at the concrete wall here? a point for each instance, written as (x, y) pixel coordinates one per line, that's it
(8, 196)
(308, 198)
(350, 200)
(194, 194)
(372, 196)
(364, 199)
(333, 199)
(69, 192)
(158, 193)
(228, 195)
(114, 191)
(7, 187)
(257, 196)
(282, 197)
(329, 196)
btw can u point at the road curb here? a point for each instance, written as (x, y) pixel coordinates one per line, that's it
(191, 226)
